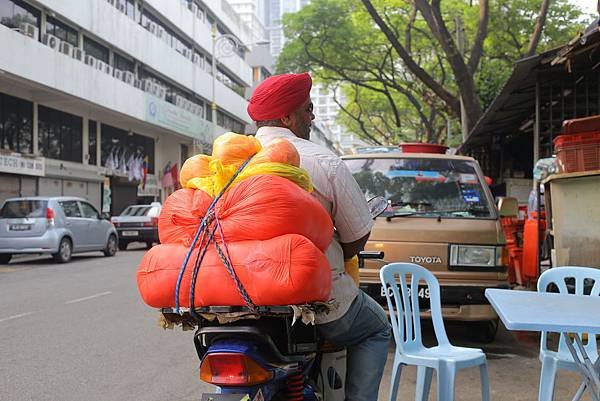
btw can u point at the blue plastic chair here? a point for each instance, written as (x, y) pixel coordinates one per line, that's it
(446, 359)
(562, 359)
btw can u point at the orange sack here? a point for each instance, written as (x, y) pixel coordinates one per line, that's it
(258, 208)
(278, 151)
(282, 271)
(233, 149)
(195, 166)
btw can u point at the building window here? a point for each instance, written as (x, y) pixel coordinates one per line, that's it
(123, 64)
(92, 141)
(61, 31)
(13, 12)
(130, 9)
(16, 124)
(95, 49)
(119, 146)
(60, 135)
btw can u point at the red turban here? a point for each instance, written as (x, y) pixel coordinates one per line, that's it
(279, 95)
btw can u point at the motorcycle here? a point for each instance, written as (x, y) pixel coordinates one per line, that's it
(272, 358)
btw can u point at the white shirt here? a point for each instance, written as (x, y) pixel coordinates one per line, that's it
(340, 195)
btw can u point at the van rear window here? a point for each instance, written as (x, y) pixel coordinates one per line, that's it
(23, 208)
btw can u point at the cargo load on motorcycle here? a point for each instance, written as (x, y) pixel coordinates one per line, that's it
(243, 230)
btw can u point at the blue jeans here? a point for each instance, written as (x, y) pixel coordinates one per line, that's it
(365, 332)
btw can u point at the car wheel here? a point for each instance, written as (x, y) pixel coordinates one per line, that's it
(123, 245)
(111, 246)
(484, 332)
(5, 258)
(65, 251)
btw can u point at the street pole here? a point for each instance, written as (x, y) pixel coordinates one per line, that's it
(213, 105)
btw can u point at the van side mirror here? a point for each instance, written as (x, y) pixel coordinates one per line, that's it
(508, 207)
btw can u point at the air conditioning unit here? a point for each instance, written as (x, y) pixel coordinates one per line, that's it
(193, 7)
(117, 74)
(171, 97)
(29, 30)
(129, 77)
(186, 53)
(78, 54)
(100, 65)
(121, 6)
(160, 31)
(111, 2)
(138, 83)
(161, 92)
(148, 85)
(151, 26)
(196, 58)
(179, 101)
(66, 48)
(189, 106)
(108, 69)
(50, 41)
(90, 60)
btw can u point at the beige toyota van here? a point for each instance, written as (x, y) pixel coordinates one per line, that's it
(440, 215)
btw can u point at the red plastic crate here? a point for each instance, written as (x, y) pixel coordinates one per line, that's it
(580, 152)
(580, 125)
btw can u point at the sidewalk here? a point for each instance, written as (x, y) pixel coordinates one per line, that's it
(513, 364)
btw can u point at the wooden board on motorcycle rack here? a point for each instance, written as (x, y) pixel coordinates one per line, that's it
(284, 270)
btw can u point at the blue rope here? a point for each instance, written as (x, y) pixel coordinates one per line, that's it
(200, 229)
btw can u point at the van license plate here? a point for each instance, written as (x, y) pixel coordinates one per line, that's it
(129, 233)
(20, 227)
(423, 292)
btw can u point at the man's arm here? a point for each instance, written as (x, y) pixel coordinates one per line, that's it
(353, 248)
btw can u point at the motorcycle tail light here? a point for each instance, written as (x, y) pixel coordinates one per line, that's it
(231, 369)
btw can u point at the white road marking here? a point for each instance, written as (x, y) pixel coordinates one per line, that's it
(16, 316)
(88, 298)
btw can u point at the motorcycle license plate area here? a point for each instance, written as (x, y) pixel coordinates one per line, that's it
(225, 397)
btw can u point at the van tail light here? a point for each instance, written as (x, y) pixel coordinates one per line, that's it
(114, 223)
(505, 256)
(49, 216)
(152, 223)
(232, 369)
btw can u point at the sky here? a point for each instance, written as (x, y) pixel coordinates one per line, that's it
(587, 5)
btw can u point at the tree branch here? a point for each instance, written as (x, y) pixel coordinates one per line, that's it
(482, 32)
(539, 27)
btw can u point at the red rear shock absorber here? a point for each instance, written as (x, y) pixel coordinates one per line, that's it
(295, 386)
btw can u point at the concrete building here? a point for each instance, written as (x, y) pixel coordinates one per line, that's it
(251, 12)
(95, 95)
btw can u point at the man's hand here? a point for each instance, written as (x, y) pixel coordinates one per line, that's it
(353, 248)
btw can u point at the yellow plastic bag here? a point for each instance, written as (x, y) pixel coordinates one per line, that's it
(351, 268)
(292, 173)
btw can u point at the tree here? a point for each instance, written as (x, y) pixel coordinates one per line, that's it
(400, 66)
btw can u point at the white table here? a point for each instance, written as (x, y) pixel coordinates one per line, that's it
(559, 313)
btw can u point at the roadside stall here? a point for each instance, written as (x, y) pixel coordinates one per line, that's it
(573, 195)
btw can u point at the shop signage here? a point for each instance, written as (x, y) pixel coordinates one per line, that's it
(151, 187)
(177, 119)
(16, 163)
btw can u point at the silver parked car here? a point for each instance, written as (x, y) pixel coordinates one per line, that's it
(59, 226)
(138, 223)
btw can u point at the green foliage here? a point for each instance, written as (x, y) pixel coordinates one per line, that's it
(338, 42)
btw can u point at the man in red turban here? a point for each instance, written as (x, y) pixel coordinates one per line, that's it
(282, 109)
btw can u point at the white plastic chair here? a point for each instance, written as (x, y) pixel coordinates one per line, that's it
(446, 359)
(562, 359)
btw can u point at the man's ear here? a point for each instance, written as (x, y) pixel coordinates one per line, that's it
(286, 121)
